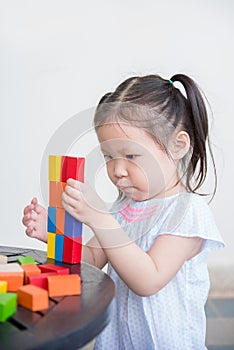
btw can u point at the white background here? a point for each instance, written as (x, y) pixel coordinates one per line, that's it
(59, 57)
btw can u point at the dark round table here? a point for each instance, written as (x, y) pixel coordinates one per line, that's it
(71, 321)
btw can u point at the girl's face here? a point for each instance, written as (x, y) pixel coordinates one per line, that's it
(135, 163)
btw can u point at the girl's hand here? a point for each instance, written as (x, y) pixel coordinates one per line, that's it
(83, 203)
(35, 220)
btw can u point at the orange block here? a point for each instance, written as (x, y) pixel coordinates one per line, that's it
(13, 274)
(55, 193)
(30, 269)
(61, 285)
(33, 298)
(60, 220)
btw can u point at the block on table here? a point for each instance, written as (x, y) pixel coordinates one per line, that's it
(30, 269)
(8, 305)
(40, 280)
(51, 245)
(59, 244)
(62, 285)
(3, 259)
(3, 286)
(61, 270)
(33, 297)
(23, 260)
(72, 250)
(13, 274)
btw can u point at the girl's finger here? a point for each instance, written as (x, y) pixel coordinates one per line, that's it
(69, 201)
(75, 183)
(28, 209)
(73, 193)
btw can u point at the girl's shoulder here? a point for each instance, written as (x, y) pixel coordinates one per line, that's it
(191, 216)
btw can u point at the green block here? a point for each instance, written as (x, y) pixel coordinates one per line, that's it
(25, 260)
(8, 305)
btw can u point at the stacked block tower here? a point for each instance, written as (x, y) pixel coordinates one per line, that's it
(64, 232)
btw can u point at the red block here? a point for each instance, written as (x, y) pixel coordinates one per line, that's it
(72, 167)
(72, 250)
(41, 280)
(60, 270)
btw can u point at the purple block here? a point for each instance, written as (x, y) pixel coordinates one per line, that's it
(72, 227)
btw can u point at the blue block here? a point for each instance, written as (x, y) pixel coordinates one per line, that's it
(52, 219)
(59, 242)
(72, 227)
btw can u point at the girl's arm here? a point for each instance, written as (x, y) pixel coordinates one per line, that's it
(145, 273)
(93, 254)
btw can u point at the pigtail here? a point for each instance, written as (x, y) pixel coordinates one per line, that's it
(200, 133)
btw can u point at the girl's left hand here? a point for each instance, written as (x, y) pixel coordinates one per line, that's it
(83, 203)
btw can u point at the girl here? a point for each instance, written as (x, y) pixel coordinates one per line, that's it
(159, 232)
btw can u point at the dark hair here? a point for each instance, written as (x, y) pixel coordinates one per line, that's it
(156, 105)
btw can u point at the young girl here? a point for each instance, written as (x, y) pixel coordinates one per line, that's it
(158, 234)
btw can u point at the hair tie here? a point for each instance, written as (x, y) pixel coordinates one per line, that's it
(171, 82)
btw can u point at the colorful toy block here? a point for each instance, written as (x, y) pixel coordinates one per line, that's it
(61, 285)
(61, 270)
(3, 286)
(72, 168)
(3, 259)
(13, 274)
(56, 190)
(33, 297)
(61, 223)
(23, 260)
(51, 245)
(72, 250)
(8, 305)
(30, 269)
(59, 245)
(55, 168)
(41, 279)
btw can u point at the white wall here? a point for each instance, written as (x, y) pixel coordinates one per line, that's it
(59, 56)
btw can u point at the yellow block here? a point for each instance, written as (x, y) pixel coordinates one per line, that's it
(55, 168)
(3, 286)
(51, 245)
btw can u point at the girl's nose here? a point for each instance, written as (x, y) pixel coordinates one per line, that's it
(120, 168)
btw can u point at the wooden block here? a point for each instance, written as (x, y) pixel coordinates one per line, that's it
(72, 167)
(3, 259)
(59, 243)
(23, 260)
(72, 227)
(8, 305)
(72, 250)
(30, 269)
(64, 285)
(56, 190)
(51, 245)
(40, 280)
(3, 286)
(55, 168)
(61, 270)
(51, 219)
(13, 274)
(33, 298)
(60, 220)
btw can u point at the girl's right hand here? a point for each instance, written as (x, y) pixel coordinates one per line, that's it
(35, 220)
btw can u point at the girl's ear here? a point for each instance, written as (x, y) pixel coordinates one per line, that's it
(180, 145)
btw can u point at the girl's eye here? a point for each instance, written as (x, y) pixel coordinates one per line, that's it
(107, 157)
(131, 156)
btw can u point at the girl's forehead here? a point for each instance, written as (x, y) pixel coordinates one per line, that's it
(122, 131)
